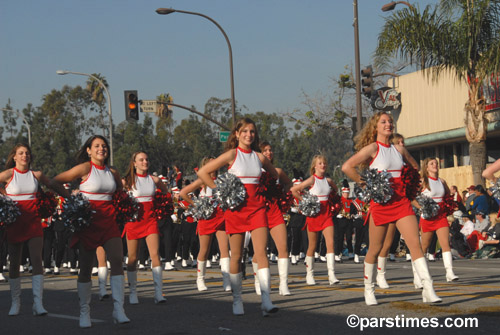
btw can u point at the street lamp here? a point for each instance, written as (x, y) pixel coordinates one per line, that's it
(359, 111)
(391, 5)
(166, 11)
(24, 120)
(63, 72)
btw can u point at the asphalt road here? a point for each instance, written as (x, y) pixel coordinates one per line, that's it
(470, 306)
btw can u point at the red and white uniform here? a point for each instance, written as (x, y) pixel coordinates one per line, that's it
(22, 188)
(251, 214)
(98, 187)
(321, 188)
(436, 192)
(388, 158)
(216, 222)
(144, 191)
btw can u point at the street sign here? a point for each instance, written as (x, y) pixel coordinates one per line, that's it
(223, 136)
(148, 106)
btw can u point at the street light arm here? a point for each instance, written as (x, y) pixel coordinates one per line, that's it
(63, 72)
(196, 112)
(165, 11)
(391, 5)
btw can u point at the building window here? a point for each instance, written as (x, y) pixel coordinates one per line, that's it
(447, 156)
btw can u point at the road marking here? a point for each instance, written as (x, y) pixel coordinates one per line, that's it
(69, 317)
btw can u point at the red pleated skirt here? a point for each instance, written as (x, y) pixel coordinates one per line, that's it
(433, 224)
(212, 225)
(145, 226)
(322, 220)
(397, 208)
(274, 215)
(250, 215)
(102, 229)
(27, 225)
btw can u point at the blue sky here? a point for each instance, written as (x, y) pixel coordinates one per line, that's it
(280, 48)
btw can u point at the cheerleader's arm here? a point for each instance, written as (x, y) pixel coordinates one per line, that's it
(489, 172)
(268, 166)
(297, 189)
(406, 156)
(284, 180)
(159, 184)
(214, 165)
(360, 158)
(190, 188)
(76, 172)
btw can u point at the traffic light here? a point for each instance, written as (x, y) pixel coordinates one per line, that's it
(131, 105)
(367, 81)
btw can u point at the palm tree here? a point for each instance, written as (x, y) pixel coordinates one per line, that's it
(97, 95)
(461, 36)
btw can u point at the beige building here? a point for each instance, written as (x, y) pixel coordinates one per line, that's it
(431, 117)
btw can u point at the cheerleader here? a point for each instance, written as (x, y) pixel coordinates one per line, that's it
(277, 227)
(245, 162)
(323, 221)
(99, 182)
(435, 188)
(22, 185)
(207, 228)
(143, 186)
(375, 149)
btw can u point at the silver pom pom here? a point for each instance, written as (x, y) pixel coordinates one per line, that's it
(309, 205)
(203, 208)
(8, 211)
(77, 213)
(428, 207)
(495, 189)
(229, 191)
(378, 186)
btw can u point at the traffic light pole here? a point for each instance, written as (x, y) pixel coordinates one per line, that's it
(195, 112)
(359, 111)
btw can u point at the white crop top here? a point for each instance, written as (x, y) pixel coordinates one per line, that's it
(388, 158)
(144, 188)
(99, 185)
(22, 186)
(246, 166)
(321, 188)
(436, 191)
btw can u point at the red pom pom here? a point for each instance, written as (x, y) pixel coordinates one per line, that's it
(285, 202)
(47, 204)
(334, 203)
(448, 205)
(411, 181)
(163, 205)
(127, 208)
(269, 187)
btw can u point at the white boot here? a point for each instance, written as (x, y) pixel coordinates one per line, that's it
(224, 268)
(310, 270)
(283, 273)
(132, 287)
(356, 259)
(102, 275)
(330, 265)
(255, 267)
(428, 294)
(370, 299)
(236, 288)
(37, 286)
(265, 287)
(417, 282)
(158, 284)
(200, 280)
(118, 294)
(448, 265)
(84, 290)
(381, 282)
(15, 294)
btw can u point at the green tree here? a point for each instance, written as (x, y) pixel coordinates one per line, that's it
(461, 36)
(98, 116)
